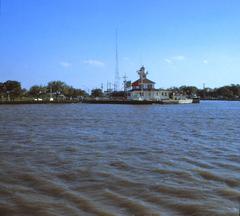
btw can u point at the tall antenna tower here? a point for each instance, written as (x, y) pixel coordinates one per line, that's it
(0, 7)
(116, 78)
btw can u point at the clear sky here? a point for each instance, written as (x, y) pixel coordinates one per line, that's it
(180, 42)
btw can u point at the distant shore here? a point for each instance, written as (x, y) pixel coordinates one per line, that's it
(93, 102)
(58, 92)
(37, 102)
(218, 99)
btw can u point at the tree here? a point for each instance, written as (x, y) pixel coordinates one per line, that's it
(225, 92)
(97, 92)
(81, 93)
(69, 91)
(173, 89)
(56, 87)
(37, 91)
(188, 90)
(235, 89)
(24, 92)
(12, 88)
(2, 90)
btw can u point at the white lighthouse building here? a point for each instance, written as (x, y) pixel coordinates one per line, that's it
(144, 89)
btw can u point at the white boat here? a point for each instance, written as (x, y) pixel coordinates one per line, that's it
(185, 101)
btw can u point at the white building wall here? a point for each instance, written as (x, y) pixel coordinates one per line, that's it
(148, 95)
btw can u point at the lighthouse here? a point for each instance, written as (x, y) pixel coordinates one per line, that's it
(144, 89)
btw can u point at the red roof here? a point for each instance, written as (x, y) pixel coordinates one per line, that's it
(145, 81)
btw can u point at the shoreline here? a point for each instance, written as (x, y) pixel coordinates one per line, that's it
(37, 102)
(101, 101)
(216, 99)
(104, 102)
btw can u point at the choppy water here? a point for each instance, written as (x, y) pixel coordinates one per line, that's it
(120, 159)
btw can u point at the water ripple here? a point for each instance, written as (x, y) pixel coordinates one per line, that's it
(80, 159)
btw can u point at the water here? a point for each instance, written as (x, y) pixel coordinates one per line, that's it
(120, 159)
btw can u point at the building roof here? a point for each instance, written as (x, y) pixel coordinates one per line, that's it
(139, 90)
(145, 81)
(153, 89)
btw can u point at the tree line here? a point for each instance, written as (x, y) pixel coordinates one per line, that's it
(12, 90)
(228, 92)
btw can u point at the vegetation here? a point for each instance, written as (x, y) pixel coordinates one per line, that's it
(38, 91)
(229, 92)
(12, 91)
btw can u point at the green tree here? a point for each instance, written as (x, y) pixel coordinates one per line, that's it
(37, 91)
(2, 91)
(188, 90)
(235, 90)
(173, 89)
(56, 87)
(12, 89)
(69, 91)
(80, 93)
(225, 92)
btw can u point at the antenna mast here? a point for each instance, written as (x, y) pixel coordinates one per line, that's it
(116, 81)
(0, 7)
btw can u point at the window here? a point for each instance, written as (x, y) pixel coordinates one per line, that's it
(149, 86)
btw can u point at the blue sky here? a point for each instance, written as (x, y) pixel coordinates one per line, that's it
(180, 42)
